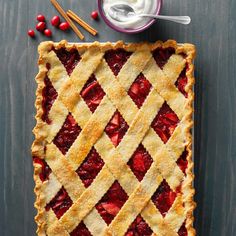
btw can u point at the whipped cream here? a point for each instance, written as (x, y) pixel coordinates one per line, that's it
(139, 6)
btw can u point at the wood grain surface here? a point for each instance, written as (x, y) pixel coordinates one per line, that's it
(213, 30)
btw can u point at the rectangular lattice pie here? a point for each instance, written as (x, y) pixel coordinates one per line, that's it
(112, 150)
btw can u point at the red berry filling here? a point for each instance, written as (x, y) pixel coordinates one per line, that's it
(140, 162)
(49, 95)
(116, 59)
(163, 198)
(68, 58)
(81, 230)
(111, 202)
(162, 55)
(139, 90)
(183, 231)
(182, 82)
(92, 93)
(67, 134)
(116, 128)
(90, 167)
(139, 228)
(182, 162)
(60, 203)
(179, 188)
(165, 122)
(45, 169)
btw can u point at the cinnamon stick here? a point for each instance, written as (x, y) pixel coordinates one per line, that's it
(81, 22)
(63, 13)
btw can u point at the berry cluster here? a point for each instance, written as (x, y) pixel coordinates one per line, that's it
(41, 26)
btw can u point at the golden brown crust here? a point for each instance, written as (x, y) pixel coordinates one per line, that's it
(171, 151)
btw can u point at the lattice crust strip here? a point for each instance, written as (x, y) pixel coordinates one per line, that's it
(112, 150)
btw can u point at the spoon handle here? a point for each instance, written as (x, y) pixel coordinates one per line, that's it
(178, 19)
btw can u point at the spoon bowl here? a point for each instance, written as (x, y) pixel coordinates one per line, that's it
(121, 12)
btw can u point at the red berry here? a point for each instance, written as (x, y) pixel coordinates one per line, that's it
(55, 21)
(64, 26)
(40, 18)
(47, 32)
(94, 15)
(31, 33)
(41, 26)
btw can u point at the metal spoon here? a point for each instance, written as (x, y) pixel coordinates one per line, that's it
(121, 12)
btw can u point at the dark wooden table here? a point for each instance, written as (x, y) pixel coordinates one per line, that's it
(213, 30)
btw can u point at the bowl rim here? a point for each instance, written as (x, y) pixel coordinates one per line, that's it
(128, 31)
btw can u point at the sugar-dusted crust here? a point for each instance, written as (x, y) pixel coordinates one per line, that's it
(69, 100)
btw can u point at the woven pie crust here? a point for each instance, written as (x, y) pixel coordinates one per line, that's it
(115, 159)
